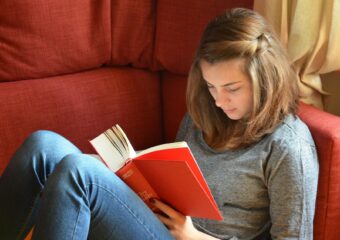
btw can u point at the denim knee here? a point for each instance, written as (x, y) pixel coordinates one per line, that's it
(82, 165)
(86, 170)
(80, 162)
(41, 152)
(78, 173)
(42, 138)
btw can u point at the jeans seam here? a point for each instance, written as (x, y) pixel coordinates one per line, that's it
(76, 223)
(116, 197)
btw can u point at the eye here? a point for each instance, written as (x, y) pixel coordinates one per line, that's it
(233, 89)
(210, 86)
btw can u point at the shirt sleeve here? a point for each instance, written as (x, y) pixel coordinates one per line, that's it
(291, 176)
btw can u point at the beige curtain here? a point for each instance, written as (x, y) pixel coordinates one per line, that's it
(310, 29)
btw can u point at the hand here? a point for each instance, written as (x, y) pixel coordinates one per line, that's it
(180, 226)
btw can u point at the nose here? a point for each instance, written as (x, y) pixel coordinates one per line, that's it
(221, 98)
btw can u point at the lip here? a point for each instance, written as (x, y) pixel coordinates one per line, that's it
(229, 110)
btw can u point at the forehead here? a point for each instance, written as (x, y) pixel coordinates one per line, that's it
(224, 72)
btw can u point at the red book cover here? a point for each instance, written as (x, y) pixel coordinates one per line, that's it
(168, 172)
(178, 181)
(131, 175)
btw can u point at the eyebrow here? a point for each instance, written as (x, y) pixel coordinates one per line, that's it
(224, 85)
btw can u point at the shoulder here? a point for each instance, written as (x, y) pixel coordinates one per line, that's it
(292, 130)
(186, 126)
(291, 145)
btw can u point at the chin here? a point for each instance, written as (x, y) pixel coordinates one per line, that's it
(234, 117)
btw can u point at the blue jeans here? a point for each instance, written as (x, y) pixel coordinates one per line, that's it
(65, 194)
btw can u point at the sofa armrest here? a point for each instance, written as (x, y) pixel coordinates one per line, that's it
(325, 129)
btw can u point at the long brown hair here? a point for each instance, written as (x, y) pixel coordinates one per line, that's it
(242, 33)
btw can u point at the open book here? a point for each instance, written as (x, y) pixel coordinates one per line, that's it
(168, 172)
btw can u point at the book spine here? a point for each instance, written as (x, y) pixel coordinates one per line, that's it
(131, 175)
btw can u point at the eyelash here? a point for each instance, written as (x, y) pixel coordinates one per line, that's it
(228, 89)
(233, 90)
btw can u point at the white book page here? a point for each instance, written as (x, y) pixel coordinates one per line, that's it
(131, 151)
(110, 155)
(113, 147)
(117, 143)
(162, 147)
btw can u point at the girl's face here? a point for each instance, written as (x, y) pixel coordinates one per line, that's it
(230, 87)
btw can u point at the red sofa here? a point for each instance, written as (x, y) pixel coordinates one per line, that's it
(78, 67)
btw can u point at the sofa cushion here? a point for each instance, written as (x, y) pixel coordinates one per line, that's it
(174, 107)
(132, 31)
(41, 38)
(81, 106)
(325, 129)
(178, 30)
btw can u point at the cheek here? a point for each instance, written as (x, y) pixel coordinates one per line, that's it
(245, 99)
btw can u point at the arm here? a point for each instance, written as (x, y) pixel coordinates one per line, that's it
(292, 175)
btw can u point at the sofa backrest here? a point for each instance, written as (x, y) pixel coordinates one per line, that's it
(41, 38)
(179, 26)
(44, 38)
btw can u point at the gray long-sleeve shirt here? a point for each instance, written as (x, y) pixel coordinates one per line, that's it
(266, 189)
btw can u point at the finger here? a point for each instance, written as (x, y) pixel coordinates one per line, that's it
(172, 213)
(165, 220)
